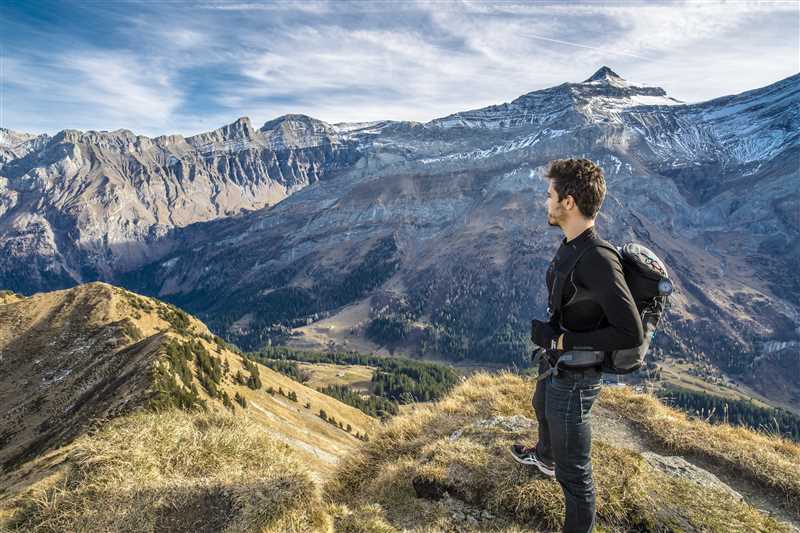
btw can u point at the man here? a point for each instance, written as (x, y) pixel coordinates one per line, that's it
(597, 313)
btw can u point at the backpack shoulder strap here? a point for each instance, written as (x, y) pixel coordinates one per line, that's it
(563, 273)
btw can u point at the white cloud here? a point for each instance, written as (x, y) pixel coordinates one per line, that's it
(689, 48)
(181, 70)
(99, 90)
(305, 6)
(342, 73)
(184, 38)
(124, 87)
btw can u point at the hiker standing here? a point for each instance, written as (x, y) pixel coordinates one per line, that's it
(595, 314)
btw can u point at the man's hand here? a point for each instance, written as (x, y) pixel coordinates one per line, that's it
(546, 336)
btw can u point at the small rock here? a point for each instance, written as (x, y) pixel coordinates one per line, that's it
(514, 423)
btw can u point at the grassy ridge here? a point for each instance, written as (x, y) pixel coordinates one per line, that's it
(175, 471)
(192, 471)
(770, 461)
(419, 449)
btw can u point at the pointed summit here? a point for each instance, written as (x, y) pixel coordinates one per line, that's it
(241, 128)
(605, 74)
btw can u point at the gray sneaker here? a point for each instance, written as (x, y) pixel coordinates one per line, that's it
(527, 456)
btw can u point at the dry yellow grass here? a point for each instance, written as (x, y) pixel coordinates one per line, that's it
(477, 468)
(218, 472)
(319, 443)
(7, 297)
(80, 362)
(770, 461)
(179, 472)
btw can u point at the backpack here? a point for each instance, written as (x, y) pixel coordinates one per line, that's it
(649, 284)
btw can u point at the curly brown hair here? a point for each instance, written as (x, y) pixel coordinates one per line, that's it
(581, 179)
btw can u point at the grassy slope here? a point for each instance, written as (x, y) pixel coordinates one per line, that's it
(92, 331)
(214, 471)
(358, 377)
(178, 471)
(476, 467)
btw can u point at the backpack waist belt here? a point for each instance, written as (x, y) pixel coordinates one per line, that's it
(572, 359)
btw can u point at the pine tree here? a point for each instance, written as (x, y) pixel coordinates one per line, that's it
(241, 400)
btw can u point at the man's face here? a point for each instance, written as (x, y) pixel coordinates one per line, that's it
(555, 211)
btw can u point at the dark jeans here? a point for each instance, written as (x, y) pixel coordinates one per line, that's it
(563, 406)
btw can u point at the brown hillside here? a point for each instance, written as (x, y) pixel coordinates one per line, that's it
(72, 359)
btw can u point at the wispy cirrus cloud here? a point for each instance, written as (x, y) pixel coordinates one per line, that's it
(119, 87)
(124, 86)
(185, 68)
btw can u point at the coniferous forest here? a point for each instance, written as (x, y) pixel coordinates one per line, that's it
(395, 380)
(735, 412)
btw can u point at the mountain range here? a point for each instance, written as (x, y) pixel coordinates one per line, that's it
(429, 238)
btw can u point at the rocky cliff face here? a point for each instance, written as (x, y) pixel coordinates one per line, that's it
(14, 144)
(84, 205)
(438, 229)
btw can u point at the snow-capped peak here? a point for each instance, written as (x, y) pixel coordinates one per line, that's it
(605, 74)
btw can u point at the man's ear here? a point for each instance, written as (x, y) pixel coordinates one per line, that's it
(569, 202)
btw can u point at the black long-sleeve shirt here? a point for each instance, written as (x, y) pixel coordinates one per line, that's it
(598, 311)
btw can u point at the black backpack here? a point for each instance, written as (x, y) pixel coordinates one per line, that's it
(650, 287)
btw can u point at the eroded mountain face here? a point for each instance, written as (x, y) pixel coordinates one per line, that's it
(83, 206)
(439, 228)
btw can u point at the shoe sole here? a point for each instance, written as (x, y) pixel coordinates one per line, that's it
(542, 468)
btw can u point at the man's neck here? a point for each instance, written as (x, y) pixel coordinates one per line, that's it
(576, 229)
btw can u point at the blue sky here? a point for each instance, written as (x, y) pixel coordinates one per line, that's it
(187, 67)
